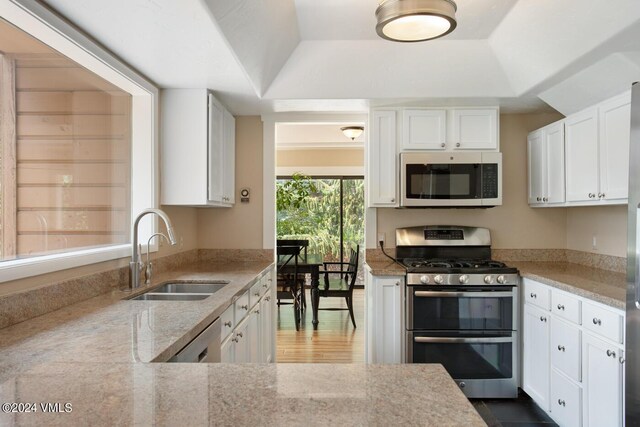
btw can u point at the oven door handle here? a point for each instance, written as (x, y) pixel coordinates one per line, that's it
(488, 294)
(462, 340)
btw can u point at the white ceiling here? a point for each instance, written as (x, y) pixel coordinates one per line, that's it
(323, 55)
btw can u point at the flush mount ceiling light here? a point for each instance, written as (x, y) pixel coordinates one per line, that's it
(415, 20)
(352, 131)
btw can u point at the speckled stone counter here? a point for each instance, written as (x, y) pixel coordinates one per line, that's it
(385, 267)
(240, 395)
(604, 286)
(109, 329)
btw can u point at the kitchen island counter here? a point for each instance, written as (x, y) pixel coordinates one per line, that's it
(220, 394)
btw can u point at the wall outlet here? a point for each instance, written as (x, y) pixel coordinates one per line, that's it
(381, 238)
(594, 243)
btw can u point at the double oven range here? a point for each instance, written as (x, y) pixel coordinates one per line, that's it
(461, 307)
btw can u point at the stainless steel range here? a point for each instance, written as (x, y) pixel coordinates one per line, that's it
(461, 307)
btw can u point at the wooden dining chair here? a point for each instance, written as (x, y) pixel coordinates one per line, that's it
(303, 244)
(288, 280)
(340, 283)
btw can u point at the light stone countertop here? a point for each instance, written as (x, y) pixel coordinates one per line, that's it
(385, 267)
(604, 286)
(240, 395)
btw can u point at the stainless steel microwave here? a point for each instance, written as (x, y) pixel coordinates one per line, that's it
(469, 179)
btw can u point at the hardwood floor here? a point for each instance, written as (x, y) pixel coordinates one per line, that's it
(335, 340)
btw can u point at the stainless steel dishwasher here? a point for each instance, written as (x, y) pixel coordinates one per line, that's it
(205, 348)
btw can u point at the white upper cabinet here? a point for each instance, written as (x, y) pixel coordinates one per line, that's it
(424, 129)
(615, 127)
(546, 165)
(581, 144)
(382, 164)
(198, 149)
(474, 129)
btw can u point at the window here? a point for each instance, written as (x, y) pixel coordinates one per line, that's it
(73, 120)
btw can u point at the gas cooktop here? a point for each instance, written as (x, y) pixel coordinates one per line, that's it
(468, 266)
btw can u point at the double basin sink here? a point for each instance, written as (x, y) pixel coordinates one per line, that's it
(182, 291)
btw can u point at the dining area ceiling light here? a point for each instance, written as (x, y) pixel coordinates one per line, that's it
(415, 20)
(352, 132)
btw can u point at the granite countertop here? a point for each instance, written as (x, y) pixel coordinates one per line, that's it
(109, 329)
(255, 395)
(385, 267)
(604, 286)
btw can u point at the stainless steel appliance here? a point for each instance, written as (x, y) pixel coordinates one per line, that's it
(469, 179)
(461, 307)
(205, 348)
(632, 340)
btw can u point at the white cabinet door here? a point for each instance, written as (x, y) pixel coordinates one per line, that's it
(229, 166)
(227, 349)
(215, 150)
(582, 160)
(566, 401)
(602, 378)
(475, 129)
(554, 162)
(537, 167)
(536, 366)
(387, 332)
(266, 339)
(241, 334)
(254, 352)
(424, 129)
(382, 165)
(615, 126)
(565, 348)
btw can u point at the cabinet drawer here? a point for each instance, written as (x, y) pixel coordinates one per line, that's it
(537, 294)
(227, 322)
(241, 307)
(565, 306)
(565, 348)
(255, 293)
(265, 283)
(566, 400)
(602, 321)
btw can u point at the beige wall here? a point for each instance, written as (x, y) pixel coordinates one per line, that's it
(239, 227)
(321, 157)
(514, 225)
(607, 223)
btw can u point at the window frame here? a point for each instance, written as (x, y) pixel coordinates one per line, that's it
(42, 23)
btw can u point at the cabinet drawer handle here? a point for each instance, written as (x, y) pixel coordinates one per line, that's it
(239, 335)
(257, 294)
(591, 195)
(458, 144)
(397, 283)
(533, 295)
(562, 402)
(545, 199)
(442, 145)
(244, 307)
(611, 353)
(393, 200)
(560, 347)
(227, 323)
(267, 298)
(539, 199)
(597, 321)
(600, 195)
(257, 312)
(621, 360)
(560, 307)
(265, 286)
(543, 319)
(234, 339)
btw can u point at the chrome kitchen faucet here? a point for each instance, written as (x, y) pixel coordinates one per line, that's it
(135, 266)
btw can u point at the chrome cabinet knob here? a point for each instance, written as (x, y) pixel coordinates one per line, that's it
(560, 307)
(561, 347)
(227, 323)
(438, 279)
(234, 339)
(442, 145)
(597, 321)
(621, 360)
(397, 283)
(257, 294)
(458, 144)
(267, 298)
(244, 307)
(539, 199)
(600, 195)
(464, 279)
(239, 334)
(257, 312)
(591, 195)
(562, 402)
(545, 199)
(543, 319)
(393, 200)
(534, 296)
(611, 353)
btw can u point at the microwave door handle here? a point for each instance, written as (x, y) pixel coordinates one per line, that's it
(433, 340)
(436, 294)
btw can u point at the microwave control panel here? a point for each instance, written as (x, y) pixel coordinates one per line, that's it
(489, 181)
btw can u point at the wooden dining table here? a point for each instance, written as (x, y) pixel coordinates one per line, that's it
(308, 264)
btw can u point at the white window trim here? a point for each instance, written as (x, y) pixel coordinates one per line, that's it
(43, 24)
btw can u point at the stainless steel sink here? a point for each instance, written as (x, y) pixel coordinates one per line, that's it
(182, 291)
(189, 288)
(170, 297)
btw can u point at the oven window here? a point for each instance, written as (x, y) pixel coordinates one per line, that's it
(473, 360)
(472, 311)
(443, 181)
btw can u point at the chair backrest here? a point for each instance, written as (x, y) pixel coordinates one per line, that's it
(353, 265)
(287, 255)
(302, 243)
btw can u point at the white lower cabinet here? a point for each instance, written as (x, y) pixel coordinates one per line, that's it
(385, 318)
(252, 340)
(603, 379)
(572, 363)
(535, 372)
